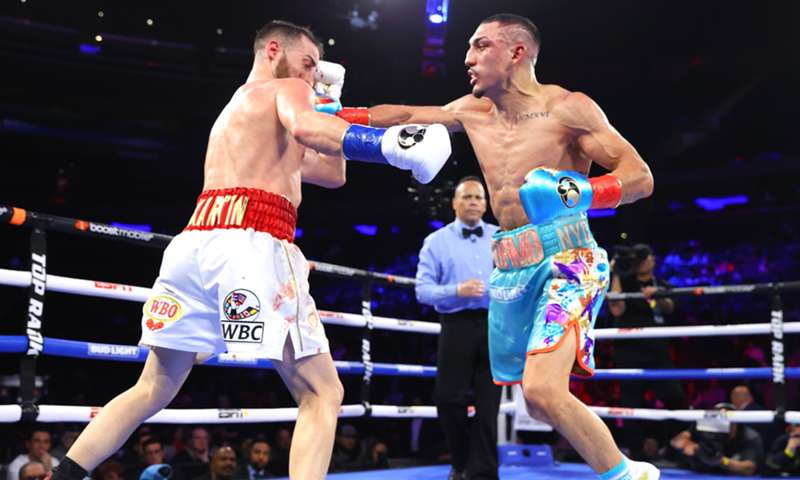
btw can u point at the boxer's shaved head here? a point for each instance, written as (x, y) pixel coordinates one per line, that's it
(288, 32)
(518, 29)
(503, 50)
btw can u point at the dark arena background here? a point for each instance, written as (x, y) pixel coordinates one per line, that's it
(105, 109)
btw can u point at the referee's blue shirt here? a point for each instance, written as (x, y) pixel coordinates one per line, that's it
(447, 259)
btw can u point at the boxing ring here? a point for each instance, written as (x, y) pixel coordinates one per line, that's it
(34, 343)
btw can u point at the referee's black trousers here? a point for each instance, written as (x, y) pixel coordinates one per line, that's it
(464, 378)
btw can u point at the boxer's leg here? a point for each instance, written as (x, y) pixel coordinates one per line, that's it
(163, 374)
(546, 388)
(562, 344)
(315, 386)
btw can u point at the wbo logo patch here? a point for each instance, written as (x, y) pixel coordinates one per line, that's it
(241, 304)
(161, 310)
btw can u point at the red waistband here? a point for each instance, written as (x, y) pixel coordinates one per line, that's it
(245, 208)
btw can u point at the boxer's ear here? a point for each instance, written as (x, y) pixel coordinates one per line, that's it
(518, 52)
(272, 48)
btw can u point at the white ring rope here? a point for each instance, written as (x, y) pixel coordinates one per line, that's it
(78, 414)
(93, 288)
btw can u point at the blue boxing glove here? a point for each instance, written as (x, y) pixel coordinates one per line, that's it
(160, 471)
(548, 194)
(423, 149)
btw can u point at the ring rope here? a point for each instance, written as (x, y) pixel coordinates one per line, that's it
(82, 414)
(131, 353)
(21, 217)
(96, 288)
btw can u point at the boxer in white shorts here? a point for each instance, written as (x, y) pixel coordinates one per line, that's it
(234, 273)
(240, 290)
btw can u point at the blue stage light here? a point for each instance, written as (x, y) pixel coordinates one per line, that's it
(368, 230)
(711, 204)
(437, 11)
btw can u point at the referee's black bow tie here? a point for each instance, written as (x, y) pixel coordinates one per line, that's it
(477, 231)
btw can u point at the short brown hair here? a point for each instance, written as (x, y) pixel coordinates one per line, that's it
(508, 19)
(287, 30)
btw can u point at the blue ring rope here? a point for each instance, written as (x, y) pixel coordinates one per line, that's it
(131, 353)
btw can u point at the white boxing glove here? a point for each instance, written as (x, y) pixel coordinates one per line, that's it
(423, 149)
(329, 80)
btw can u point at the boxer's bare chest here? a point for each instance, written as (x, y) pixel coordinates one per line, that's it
(507, 149)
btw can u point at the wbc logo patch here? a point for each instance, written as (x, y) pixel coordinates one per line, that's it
(161, 310)
(241, 308)
(241, 305)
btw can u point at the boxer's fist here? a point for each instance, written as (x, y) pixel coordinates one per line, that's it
(329, 80)
(548, 194)
(423, 149)
(327, 105)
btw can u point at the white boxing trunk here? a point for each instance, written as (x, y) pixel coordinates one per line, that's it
(230, 283)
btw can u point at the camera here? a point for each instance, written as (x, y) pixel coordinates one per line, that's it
(627, 259)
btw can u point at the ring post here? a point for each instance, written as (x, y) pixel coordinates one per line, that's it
(34, 320)
(778, 364)
(366, 339)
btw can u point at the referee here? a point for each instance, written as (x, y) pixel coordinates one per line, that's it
(453, 271)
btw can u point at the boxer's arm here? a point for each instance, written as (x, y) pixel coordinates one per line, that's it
(328, 171)
(448, 115)
(603, 144)
(294, 101)
(423, 151)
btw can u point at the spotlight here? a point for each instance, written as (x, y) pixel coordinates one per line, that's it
(101, 13)
(98, 38)
(437, 11)
(149, 22)
(219, 31)
(331, 42)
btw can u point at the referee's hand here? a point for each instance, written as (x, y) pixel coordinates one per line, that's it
(471, 288)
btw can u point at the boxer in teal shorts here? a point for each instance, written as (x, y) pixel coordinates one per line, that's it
(549, 281)
(536, 143)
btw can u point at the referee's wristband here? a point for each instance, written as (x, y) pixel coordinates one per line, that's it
(726, 461)
(789, 453)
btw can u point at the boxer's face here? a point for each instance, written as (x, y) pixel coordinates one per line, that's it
(298, 59)
(488, 59)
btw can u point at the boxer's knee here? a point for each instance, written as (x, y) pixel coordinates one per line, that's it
(541, 398)
(155, 395)
(327, 397)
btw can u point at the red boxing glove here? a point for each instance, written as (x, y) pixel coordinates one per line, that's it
(356, 115)
(606, 191)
